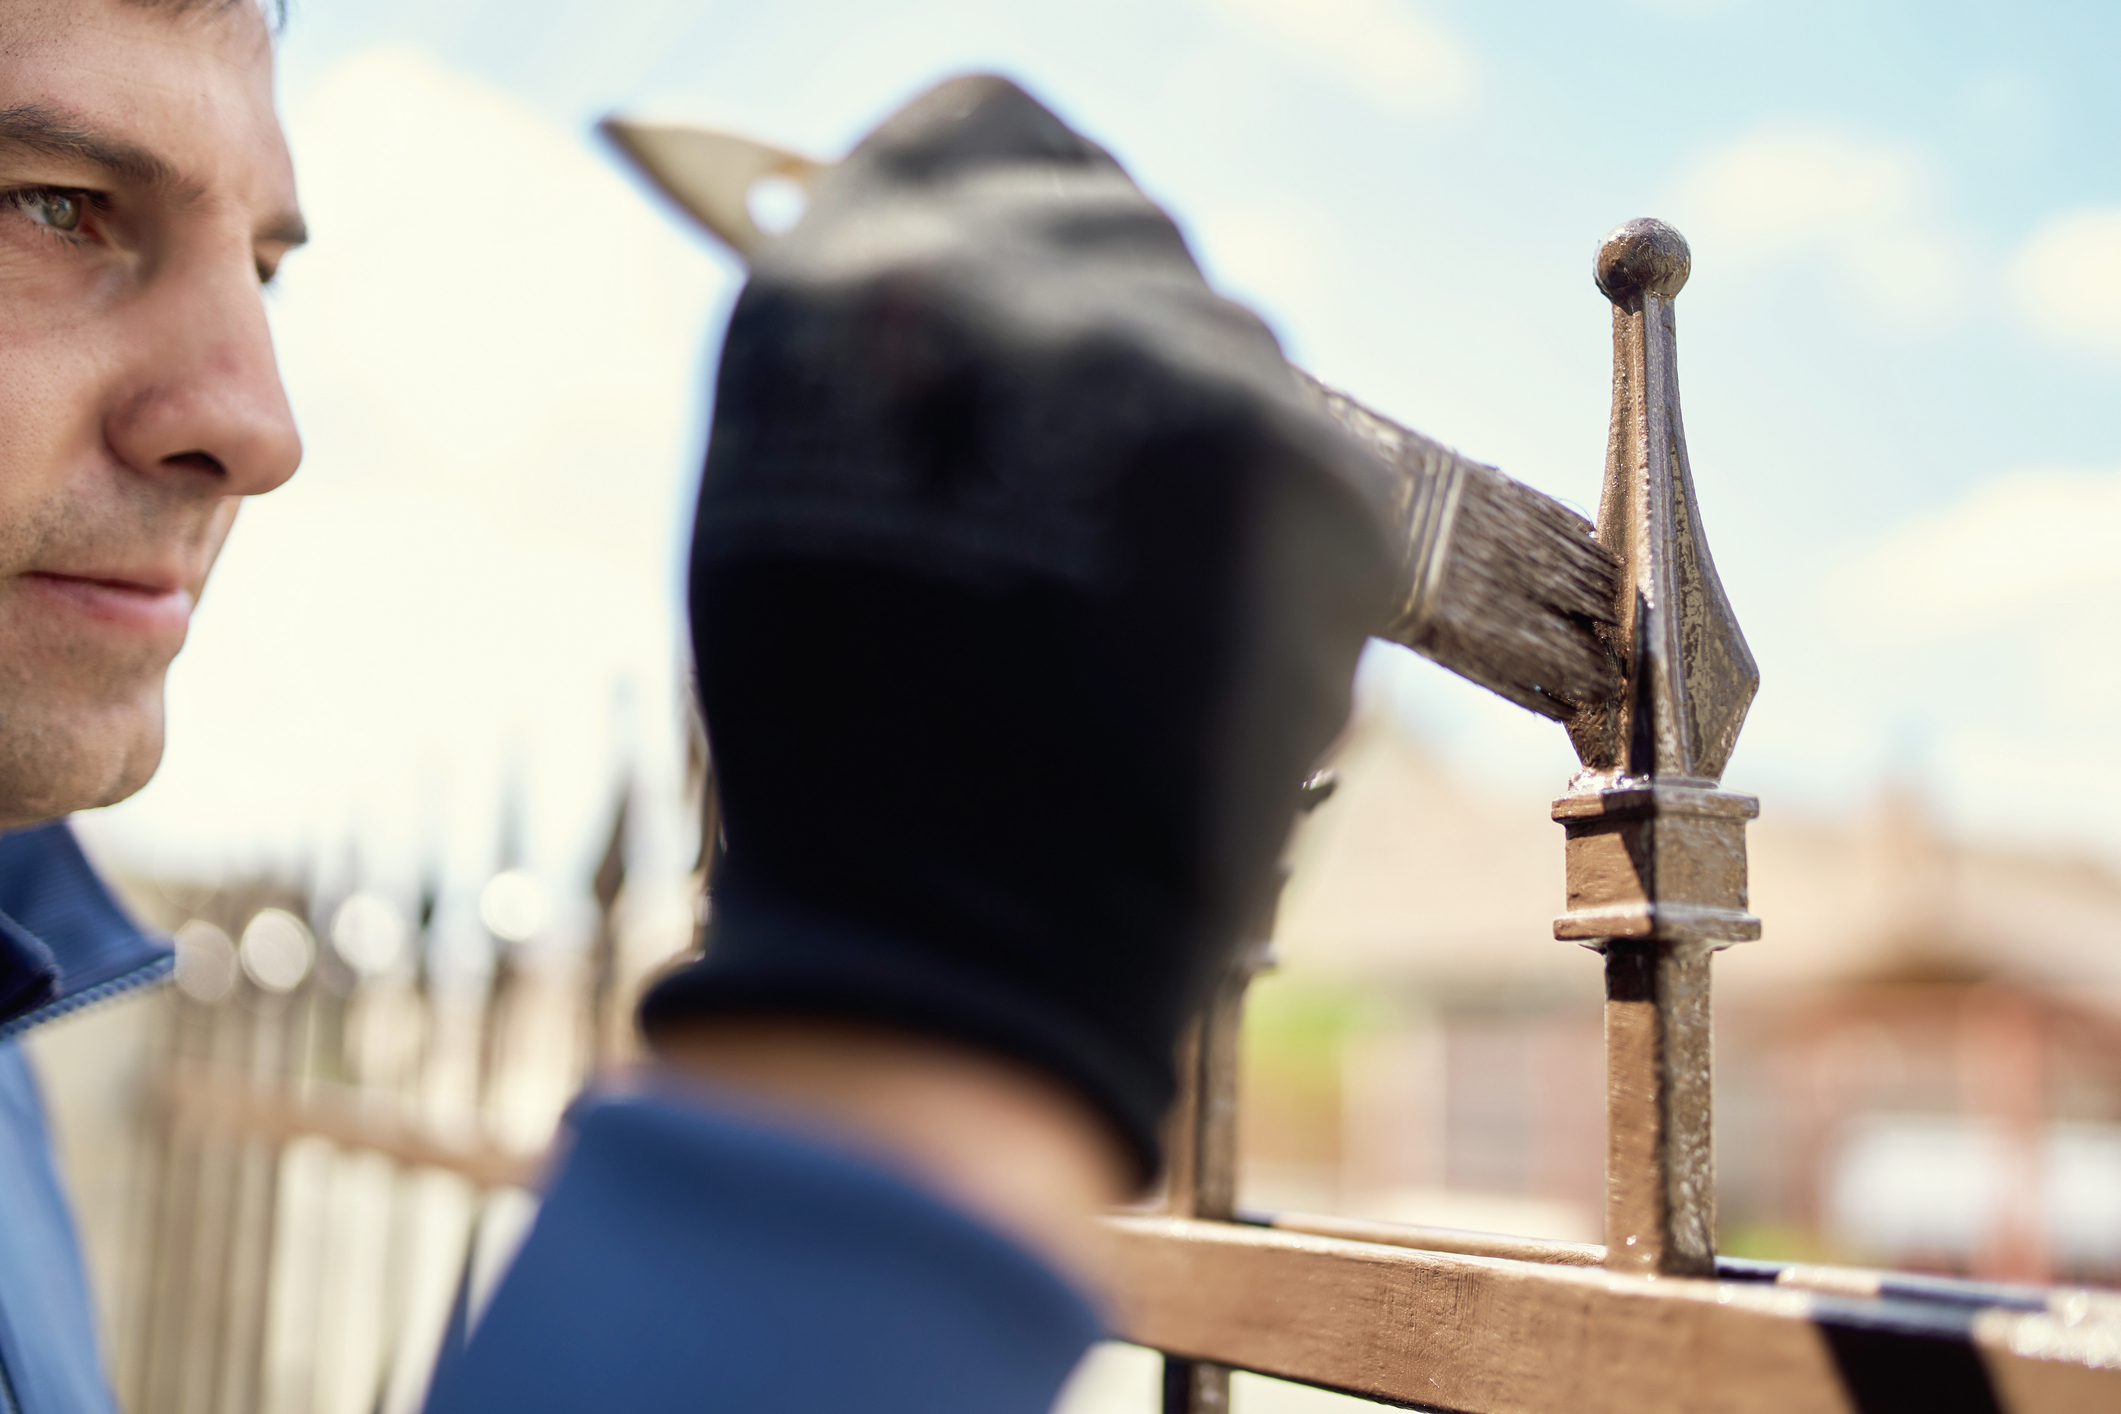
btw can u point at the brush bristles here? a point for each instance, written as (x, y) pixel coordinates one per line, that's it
(1524, 585)
(1524, 589)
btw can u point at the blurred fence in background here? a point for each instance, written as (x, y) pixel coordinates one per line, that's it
(329, 1141)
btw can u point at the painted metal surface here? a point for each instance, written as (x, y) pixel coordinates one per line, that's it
(1448, 1331)
(1656, 852)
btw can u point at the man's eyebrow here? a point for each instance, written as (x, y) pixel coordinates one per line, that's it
(36, 128)
(33, 127)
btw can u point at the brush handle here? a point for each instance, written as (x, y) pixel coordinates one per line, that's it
(712, 174)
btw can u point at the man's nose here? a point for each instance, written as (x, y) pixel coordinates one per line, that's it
(205, 391)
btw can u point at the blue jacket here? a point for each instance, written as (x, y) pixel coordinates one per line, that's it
(64, 944)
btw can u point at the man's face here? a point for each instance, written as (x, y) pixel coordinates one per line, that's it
(145, 197)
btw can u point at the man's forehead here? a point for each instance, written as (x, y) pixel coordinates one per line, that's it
(187, 89)
(36, 12)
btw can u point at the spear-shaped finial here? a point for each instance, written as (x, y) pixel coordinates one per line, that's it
(1691, 676)
(1656, 853)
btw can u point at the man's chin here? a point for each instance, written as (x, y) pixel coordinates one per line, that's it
(97, 758)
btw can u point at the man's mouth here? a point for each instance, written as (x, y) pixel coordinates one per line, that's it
(151, 603)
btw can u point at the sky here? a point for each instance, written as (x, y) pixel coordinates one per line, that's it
(1900, 356)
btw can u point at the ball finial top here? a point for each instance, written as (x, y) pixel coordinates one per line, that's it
(1642, 255)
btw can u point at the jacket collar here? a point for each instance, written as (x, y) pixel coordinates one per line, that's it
(65, 942)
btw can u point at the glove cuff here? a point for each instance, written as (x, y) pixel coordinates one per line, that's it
(769, 957)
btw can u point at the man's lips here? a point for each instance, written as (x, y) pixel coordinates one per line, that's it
(150, 603)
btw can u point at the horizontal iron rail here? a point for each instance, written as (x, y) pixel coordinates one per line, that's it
(1450, 1331)
(230, 1102)
(1431, 1239)
(1438, 1318)
(1811, 1276)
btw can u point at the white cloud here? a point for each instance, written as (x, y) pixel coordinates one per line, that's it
(1397, 56)
(1861, 211)
(494, 349)
(2065, 281)
(1990, 622)
(2010, 551)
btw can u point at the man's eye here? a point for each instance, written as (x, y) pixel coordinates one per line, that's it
(51, 206)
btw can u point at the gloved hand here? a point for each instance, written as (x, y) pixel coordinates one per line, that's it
(1026, 589)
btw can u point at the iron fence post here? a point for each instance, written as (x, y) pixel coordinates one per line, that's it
(1656, 851)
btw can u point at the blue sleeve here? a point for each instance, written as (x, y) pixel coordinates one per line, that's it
(689, 1259)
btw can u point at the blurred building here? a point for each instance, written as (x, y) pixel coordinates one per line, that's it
(1919, 1064)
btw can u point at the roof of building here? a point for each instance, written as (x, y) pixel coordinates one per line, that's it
(1411, 875)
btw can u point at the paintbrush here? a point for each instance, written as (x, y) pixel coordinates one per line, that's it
(1501, 584)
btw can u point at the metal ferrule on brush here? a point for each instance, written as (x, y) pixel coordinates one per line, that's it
(1429, 506)
(1500, 584)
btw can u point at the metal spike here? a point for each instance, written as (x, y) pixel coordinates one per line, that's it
(1656, 853)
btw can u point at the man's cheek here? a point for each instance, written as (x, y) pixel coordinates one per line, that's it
(44, 284)
(224, 520)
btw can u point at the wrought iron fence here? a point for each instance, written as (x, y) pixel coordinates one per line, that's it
(340, 1141)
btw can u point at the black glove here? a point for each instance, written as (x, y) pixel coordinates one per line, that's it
(1025, 591)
